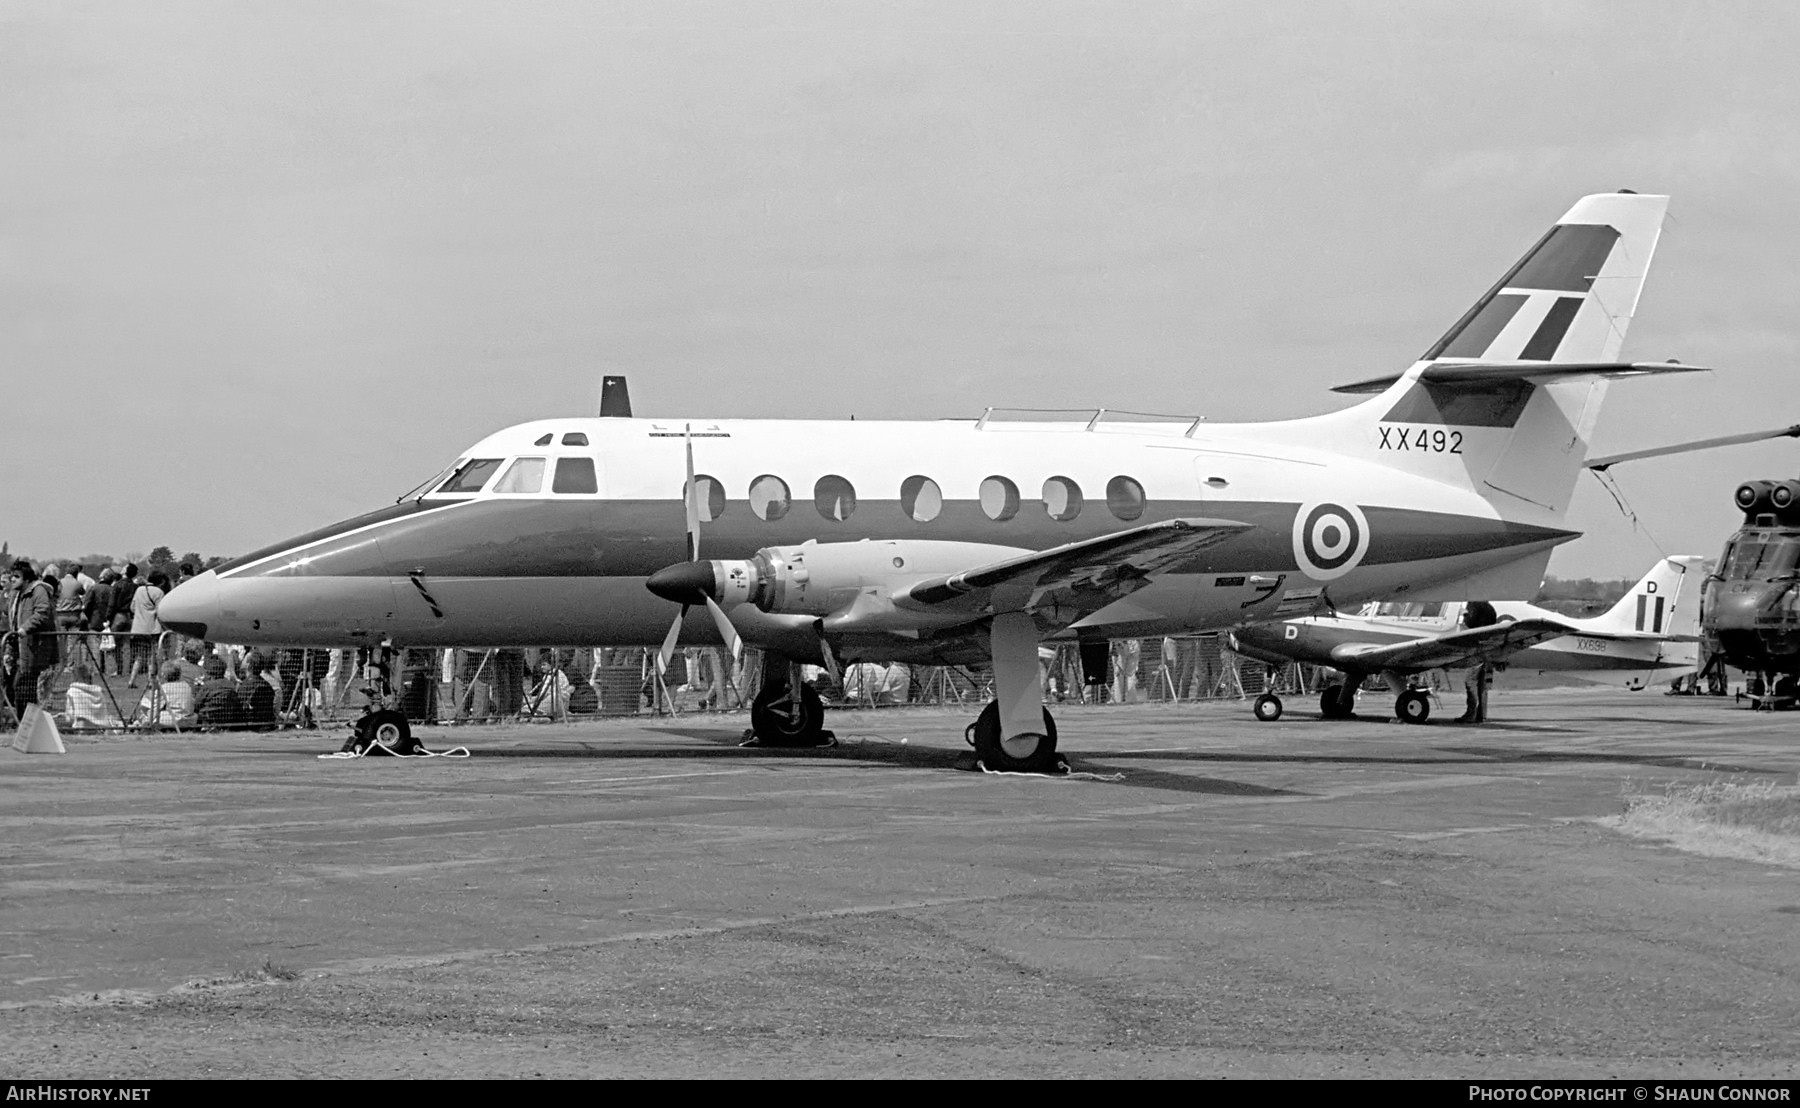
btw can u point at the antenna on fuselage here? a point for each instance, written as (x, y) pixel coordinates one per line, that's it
(615, 399)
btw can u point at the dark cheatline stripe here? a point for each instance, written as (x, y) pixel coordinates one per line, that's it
(1549, 335)
(1567, 260)
(1472, 338)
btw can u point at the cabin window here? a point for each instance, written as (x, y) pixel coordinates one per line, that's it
(769, 497)
(524, 476)
(544, 439)
(1062, 499)
(834, 497)
(1125, 498)
(710, 498)
(575, 438)
(472, 475)
(999, 498)
(575, 475)
(921, 499)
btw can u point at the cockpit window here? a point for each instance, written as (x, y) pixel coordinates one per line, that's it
(543, 440)
(421, 489)
(575, 475)
(472, 476)
(1762, 559)
(575, 438)
(1410, 609)
(524, 476)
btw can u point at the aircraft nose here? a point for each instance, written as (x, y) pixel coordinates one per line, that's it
(189, 608)
(684, 583)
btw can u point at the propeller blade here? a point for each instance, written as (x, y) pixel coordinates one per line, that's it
(831, 662)
(668, 647)
(693, 502)
(726, 631)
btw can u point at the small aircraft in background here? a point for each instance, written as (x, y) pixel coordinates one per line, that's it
(1652, 628)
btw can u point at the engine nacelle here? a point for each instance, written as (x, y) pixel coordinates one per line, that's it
(1752, 497)
(1780, 499)
(819, 579)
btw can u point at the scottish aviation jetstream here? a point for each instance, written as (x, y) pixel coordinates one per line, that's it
(1653, 627)
(834, 542)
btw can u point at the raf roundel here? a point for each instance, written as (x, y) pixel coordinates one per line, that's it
(1329, 539)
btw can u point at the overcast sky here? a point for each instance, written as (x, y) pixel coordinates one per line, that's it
(268, 265)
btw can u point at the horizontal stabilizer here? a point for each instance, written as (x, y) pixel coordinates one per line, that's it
(1450, 375)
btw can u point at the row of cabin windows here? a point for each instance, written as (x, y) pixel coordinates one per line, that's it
(920, 498)
(770, 498)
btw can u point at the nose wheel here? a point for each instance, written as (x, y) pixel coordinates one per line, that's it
(789, 716)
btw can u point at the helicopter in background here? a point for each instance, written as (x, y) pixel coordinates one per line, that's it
(1750, 604)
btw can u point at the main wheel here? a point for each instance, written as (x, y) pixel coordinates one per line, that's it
(1267, 707)
(1338, 701)
(389, 730)
(1030, 752)
(778, 721)
(1413, 706)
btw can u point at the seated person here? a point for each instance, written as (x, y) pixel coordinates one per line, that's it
(216, 701)
(550, 698)
(173, 700)
(256, 696)
(85, 704)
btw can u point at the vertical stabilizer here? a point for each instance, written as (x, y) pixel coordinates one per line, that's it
(1506, 401)
(1660, 603)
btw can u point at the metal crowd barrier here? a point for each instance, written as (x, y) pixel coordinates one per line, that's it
(328, 687)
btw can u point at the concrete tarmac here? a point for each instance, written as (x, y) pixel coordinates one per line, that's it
(1208, 896)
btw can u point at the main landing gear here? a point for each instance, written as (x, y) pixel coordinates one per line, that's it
(1338, 701)
(1015, 734)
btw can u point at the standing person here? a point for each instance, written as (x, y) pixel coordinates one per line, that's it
(96, 612)
(145, 627)
(33, 617)
(126, 587)
(1477, 613)
(69, 597)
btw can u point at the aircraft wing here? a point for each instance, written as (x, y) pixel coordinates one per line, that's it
(1454, 648)
(1063, 584)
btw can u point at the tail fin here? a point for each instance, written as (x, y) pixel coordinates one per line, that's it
(1572, 296)
(1506, 400)
(1659, 604)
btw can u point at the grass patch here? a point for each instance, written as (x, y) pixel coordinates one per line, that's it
(1754, 821)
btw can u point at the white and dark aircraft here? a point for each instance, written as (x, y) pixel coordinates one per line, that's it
(831, 542)
(1652, 628)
